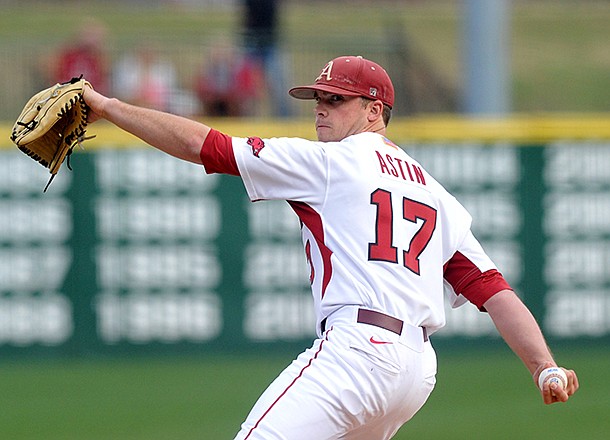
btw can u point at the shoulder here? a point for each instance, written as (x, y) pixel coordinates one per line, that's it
(280, 151)
(277, 144)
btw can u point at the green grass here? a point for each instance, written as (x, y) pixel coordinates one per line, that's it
(492, 397)
(479, 395)
(184, 398)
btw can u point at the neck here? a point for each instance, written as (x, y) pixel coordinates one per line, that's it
(378, 127)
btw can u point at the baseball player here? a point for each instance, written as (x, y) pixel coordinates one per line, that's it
(384, 242)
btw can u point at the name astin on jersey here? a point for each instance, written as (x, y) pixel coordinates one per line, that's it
(395, 167)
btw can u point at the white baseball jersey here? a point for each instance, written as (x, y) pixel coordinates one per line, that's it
(381, 235)
(377, 229)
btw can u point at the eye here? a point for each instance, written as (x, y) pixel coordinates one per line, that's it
(331, 99)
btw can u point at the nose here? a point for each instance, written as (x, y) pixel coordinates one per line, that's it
(320, 109)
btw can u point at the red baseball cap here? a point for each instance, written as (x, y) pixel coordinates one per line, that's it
(350, 76)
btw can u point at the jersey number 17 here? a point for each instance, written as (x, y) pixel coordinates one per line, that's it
(383, 248)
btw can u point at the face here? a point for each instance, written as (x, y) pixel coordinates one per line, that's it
(339, 116)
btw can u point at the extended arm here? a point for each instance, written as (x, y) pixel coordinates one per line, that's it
(519, 329)
(175, 135)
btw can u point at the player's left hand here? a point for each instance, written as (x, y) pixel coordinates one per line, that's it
(554, 393)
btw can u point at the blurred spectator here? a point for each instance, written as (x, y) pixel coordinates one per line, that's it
(228, 83)
(146, 79)
(85, 55)
(260, 39)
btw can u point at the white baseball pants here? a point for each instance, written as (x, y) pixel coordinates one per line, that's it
(357, 382)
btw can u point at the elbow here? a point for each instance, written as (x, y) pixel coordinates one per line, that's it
(195, 143)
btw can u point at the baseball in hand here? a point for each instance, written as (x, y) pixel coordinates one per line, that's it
(553, 375)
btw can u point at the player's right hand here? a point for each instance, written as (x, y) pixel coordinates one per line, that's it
(555, 393)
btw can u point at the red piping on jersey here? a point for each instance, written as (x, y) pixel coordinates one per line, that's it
(315, 356)
(467, 279)
(312, 271)
(313, 221)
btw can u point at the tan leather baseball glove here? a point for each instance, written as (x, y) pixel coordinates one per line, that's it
(52, 123)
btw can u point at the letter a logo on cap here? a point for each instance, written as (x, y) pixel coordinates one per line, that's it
(350, 76)
(326, 72)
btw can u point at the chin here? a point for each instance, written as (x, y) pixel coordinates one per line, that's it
(325, 135)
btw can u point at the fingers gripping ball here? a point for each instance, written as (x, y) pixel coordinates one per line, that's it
(553, 375)
(52, 123)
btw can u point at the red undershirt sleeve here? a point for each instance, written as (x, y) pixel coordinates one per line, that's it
(217, 154)
(476, 286)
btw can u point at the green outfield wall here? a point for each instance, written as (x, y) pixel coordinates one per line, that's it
(134, 251)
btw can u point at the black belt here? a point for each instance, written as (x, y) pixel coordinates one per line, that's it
(381, 320)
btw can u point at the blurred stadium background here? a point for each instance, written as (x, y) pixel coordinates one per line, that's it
(141, 299)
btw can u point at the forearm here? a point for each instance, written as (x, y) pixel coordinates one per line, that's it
(519, 329)
(175, 135)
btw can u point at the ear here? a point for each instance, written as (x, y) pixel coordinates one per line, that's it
(375, 110)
